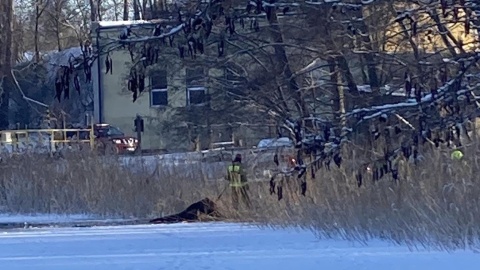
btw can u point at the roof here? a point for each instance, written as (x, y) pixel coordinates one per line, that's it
(121, 23)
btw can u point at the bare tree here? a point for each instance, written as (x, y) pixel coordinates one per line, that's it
(95, 10)
(125, 10)
(6, 27)
(357, 46)
(438, 98)
(40, 6)
(136, 10)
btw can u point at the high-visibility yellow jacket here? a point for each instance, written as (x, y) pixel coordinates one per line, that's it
(456, 154)
(236, 175)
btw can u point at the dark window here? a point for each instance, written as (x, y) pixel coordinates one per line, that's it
(159, 92)
(196, 95)
(159, 79)
(196, 91)
(159, 97)
(114, 131)
(195, 77)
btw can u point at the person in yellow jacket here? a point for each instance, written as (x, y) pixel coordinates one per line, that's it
(238, 182)
(456, 154)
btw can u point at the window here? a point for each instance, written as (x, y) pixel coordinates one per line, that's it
(159, 92)
(196, 90)
(159, 97)
(114, 131)
(196, 95)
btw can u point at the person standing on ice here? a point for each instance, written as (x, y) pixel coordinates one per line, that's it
(238, 182)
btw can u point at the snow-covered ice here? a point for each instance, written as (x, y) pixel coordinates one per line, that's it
(41, 218)
(208, 246)
(55, 219)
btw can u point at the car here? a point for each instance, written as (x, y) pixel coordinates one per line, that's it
(263, 165)
(111, 140)
(275, 142)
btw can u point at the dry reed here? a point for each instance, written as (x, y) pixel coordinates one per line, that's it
(434, 203)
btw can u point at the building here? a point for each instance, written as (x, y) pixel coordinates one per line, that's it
(174, 87)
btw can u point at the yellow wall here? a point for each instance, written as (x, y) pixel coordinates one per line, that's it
(117, 101)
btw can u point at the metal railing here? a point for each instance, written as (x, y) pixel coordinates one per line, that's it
(52, 137)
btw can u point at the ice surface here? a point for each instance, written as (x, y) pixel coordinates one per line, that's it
(55, 219)
(208, 246)
(40, 218)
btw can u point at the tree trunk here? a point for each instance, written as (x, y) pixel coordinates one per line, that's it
(17, 42)
(58, 28)
(445, 34)
(340, 60)
(282, 62)
(145, 11)
(367, 44)
(6, 27)
(93, 10)
(338, 92)
(136, 10)
(99, 10)
(115, 10)
(8, 33)
(35, 37)
(153, 9)
(125, 10)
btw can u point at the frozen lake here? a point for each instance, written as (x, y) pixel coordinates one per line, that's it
(208, 246)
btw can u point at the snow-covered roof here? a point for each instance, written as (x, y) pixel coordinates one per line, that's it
(62, 57)
(121, 23)
(54, 59)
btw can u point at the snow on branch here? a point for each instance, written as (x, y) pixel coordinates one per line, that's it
(412, 103)
(323, 144)
(340, 3)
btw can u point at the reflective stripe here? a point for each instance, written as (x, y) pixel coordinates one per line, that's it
(238, 185)
(234, 168)
(235, 177)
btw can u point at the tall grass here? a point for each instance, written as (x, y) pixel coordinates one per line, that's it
(434, 203)
(86, 183)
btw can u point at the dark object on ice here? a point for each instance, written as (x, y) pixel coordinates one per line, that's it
(192, 213)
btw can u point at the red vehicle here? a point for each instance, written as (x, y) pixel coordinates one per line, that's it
(111, 140)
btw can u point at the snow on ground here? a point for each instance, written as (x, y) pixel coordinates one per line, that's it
(54, 219)
(41, 218)
(208, 246)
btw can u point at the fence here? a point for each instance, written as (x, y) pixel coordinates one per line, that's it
(44, 139)
(259, 162)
